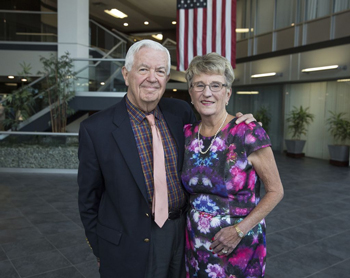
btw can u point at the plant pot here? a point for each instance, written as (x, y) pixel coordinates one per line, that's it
(339, 155)
(295, 147)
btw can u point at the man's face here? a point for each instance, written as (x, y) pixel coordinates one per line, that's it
(147, 78)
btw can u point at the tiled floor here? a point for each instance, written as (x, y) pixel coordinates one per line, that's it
(308, 233)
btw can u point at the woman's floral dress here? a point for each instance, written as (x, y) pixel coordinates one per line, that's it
(224, 188)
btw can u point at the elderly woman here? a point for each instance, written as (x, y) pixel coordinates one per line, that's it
(223, 165)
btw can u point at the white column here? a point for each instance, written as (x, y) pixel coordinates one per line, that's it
(73, 34)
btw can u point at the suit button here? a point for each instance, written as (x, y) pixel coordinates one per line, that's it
(147, 214)
(146, 240)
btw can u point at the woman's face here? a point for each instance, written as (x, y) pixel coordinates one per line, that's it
(209, 103)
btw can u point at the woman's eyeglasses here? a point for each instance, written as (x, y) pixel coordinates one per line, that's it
(214, 86)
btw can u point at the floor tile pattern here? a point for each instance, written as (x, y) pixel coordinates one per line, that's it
(41, 235)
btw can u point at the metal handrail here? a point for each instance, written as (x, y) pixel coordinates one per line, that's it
(39, 133)
(25, 12)
(104, 58)
(106, 30)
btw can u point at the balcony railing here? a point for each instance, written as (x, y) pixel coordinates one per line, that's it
(28, 26)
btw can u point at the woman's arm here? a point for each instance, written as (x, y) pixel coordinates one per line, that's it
(264, 164)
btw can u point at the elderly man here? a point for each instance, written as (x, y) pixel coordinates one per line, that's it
(116, 184)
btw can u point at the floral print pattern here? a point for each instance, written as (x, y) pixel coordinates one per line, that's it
(224, 188)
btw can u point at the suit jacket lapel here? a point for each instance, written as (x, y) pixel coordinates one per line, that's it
(125, 139)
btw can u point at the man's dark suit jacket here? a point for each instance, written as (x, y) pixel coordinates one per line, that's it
(113, 201)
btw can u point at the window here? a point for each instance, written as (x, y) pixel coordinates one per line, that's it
(317, 8)
(285, 13)
(341, 5)
(264, 16)
(243, 20)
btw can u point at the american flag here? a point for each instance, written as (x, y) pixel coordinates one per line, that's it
(205, 26)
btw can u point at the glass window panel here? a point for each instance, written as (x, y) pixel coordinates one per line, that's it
(264, 16)
(317, 8)
(243, 17)
(285, 13)
(341, 5)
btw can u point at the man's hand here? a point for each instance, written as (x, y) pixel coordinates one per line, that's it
(247, 118)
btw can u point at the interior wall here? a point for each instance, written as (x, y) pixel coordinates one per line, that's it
(13, 58)
(270, 97)
(320, 97)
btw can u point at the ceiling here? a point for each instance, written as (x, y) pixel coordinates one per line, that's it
(159, 14)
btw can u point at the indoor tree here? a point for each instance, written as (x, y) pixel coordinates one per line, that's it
(59, 78)
(18, 104)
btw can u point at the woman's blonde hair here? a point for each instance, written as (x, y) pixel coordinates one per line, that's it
(211, 63)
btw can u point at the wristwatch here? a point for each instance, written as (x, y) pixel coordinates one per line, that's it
(239, 232)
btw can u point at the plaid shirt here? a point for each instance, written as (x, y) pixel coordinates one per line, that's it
(143, 136)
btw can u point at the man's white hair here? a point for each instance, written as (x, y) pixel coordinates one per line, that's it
(129, 59)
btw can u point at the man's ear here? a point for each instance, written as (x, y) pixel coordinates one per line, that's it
(167, 78)
(125, 75)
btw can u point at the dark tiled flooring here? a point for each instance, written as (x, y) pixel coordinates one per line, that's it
(308, 233)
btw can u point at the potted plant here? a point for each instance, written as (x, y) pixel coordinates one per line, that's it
(263, 116)
(340, 130)
(298, 119)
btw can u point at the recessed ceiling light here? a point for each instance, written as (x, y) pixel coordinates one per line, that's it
(158, 36)
(321, 68)
(146, 23)
(174, 90)
(173, 22)
(116, 13)
(126, 24)
(24, 80)
(243, 30)
(102, 83)
(263, 75)
(343, 80)
(247, 93)
(10, 77)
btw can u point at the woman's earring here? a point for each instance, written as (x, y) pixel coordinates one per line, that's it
(226, 103)
(192, 102)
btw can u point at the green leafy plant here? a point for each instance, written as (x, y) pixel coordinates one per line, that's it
(263, 115)
(339, 127)
(59, 77)
(299, 119)
(18, 104)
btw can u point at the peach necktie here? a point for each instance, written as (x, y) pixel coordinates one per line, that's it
(160, 196)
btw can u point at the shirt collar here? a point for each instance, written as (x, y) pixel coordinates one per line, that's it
(138, 115)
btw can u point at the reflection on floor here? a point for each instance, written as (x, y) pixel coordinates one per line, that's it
(307, 234)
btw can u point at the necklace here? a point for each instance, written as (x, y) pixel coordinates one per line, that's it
(212, 141)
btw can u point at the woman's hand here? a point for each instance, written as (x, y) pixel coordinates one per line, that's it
(225, 241)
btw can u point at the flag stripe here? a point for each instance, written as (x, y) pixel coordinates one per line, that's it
(233, 34)
(209, 27)
(213, 28)
(223, 28)
(195, 31)
(200, 34)
(187, 25)
(203, 27)
(204, 32)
